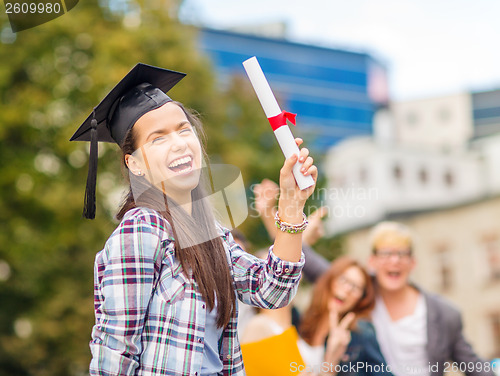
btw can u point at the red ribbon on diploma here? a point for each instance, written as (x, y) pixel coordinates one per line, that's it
(280, 119)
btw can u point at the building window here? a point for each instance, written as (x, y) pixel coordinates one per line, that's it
(397, 172)
(449, 179)
(423, 175)
(445, 267)
(492, 254)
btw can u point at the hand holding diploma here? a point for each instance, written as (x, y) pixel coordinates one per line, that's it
(278, 119)
(292, 199)
(297, 176)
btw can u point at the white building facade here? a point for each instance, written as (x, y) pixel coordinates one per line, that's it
(420, 158)
(424, 168)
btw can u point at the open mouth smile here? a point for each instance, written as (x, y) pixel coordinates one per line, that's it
(338, 299)
(181, 165)
(394, 274)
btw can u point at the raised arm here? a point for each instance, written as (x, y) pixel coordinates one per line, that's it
(266, 197)
(288, 245)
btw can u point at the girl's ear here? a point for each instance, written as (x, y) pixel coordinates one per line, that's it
(133, 165)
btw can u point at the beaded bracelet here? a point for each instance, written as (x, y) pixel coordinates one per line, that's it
(289, 227)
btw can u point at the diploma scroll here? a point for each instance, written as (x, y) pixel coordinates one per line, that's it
(276, 117)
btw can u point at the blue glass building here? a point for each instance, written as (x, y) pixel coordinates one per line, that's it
(334, 92)
(486, 112)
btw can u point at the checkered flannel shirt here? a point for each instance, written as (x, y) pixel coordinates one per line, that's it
(169, 339)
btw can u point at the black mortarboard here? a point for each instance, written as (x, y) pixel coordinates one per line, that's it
(140, 91)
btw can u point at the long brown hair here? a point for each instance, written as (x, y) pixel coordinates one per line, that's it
(322, 291)
(206, 262)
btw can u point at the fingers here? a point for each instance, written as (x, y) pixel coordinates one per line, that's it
(307, 162)
(288, 165)
(306, 165)
(313, 171)
(347, 339)
(331, 305)
(346, 322)
(315, 230)
(303, 154)
(333, 315)
(269, 184)
(305, 159)
(286, 178)
(333, 318)
(258, 191)
(318, 213)
(269, 188)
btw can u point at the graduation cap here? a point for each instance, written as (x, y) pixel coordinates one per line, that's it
(140, 91)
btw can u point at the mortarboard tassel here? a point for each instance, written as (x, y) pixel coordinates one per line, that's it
(89, 203)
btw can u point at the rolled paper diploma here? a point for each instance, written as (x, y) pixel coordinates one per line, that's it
(276, 117)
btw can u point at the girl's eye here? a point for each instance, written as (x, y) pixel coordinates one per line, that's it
(157, 140)
(185, 130)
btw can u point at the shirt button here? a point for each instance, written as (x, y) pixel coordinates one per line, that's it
(287, 270)
(228, 356)
(203, 306)
(200, 340)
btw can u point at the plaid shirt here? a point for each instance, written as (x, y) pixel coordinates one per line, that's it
(169, 339)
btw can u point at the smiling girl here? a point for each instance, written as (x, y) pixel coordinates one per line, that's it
(336, 325)
(169, 277)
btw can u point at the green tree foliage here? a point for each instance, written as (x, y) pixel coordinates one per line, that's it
(50, 78)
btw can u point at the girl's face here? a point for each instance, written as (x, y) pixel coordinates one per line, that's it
(169, 152)
(347, 289)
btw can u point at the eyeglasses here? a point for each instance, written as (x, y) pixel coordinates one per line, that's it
(344, 281)
(386, 255)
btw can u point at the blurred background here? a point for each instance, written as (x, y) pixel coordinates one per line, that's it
(399, 103)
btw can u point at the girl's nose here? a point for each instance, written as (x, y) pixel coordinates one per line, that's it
(178, 142)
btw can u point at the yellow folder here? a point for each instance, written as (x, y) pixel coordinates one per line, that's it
(274, 356)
